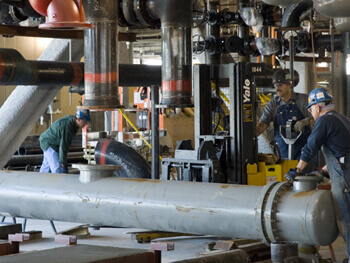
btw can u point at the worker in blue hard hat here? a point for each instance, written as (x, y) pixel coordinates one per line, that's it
(287, 105)
(57, 139)
(331, 133)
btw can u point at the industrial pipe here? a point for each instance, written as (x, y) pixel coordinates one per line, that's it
(109, 151)
(101, 55)
(16, 70)
(61, 14)
(37, 159)
(271, 213)
(26, 104)
(176, 23)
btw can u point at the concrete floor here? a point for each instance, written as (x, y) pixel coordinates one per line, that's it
(185, 247)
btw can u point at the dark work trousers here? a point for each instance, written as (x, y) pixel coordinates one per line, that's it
(340, 180)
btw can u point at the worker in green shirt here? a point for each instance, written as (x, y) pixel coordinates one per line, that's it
(57, 139)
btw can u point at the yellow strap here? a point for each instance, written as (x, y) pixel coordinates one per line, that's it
(218, 125)
(224, 97)
(138, 132)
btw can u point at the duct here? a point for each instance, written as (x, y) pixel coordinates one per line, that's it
(26, 104)
(271, 213)
(17, 70)
(292, 14)
(101, 55)
(332, 8)
(176, 23)
(113, 152)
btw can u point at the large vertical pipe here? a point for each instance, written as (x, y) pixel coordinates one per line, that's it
(271, 213)
(101, 55)
(213, 30)
(176, 23)
(26, 104)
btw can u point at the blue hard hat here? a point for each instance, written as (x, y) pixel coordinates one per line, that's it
(83, 114)
(319, 95)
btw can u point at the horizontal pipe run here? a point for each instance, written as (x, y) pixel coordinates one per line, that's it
(15, 70)
(37, 159)
(271, 213)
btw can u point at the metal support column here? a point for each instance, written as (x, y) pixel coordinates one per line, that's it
(155, 131)
(243, 119)
(202, 102)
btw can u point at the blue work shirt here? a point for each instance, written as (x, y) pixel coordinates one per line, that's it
(328, 131)
(280, 112)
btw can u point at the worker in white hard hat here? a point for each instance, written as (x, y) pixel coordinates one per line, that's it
(331, 133)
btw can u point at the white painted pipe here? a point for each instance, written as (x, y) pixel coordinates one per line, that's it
(271, 213)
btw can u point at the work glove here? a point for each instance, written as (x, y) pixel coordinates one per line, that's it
(291, 174)
(319, 173)
(299, 125)
(64, 169)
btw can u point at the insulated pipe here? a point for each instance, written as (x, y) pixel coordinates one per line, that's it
(26, 104)
(176, 23)
(18, 71)
(101, 55)
(270, 213)
(109, 151)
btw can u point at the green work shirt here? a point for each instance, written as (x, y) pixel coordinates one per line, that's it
(59, 137)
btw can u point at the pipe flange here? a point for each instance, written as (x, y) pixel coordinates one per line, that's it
(266, 211)
(260, 209)
(121, 19)
(128, 12)
(140, 9)
(271, 210)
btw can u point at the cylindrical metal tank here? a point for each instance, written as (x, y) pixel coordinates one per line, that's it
(271, 213)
